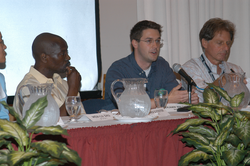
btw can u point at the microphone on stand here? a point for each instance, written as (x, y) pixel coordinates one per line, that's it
(177, 68)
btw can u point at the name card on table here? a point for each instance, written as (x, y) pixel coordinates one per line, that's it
(172, 107)
(160, 111)
(100, 116)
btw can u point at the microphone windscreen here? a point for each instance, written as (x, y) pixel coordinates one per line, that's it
(176, 67)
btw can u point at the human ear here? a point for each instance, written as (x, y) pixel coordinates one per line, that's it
(204, 43)
(135, 43)
(44, 58)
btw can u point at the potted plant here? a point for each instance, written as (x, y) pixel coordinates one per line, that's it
(27, 153)
(220, 135)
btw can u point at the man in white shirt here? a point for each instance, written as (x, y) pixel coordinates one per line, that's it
(216, 37)
(51, 59)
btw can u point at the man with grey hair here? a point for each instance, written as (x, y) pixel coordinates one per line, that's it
(216, 38)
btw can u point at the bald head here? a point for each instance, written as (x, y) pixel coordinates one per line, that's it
(45, 43)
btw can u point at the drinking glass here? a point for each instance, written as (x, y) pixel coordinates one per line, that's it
(73, 106)
(161, 98)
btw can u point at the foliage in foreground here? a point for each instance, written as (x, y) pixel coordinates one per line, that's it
(221, 134)
(29, 153)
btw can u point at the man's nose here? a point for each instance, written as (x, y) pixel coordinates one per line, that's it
(67, 57)
(154, 44)
(226, 46)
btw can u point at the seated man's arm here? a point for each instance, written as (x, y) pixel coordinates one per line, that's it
(74, 83)
(4, 113)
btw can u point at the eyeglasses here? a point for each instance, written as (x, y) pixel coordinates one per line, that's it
(151, 41)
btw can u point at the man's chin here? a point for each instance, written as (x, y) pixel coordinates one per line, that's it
(62, 74)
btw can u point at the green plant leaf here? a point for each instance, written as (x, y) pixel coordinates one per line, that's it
(233, 157)
(220, 91)
(210, 96)
(227, 123)
(208, 132)
(16, 131)
(71, 155)
(219, 106)
(224, 121)
(4, 134)
(246, 160)
(190, 122)
(12, 112)
(204, 110)
(17, 157)
(244, 115)
(196, 136)
(35, 112)
(3, 156)
(199, 145)
(233, 139)
(194, 156)
(240, 116)
(47, 161)
(221, 138)
(4, 142)
(222, 110)
(47, 146)
(201, 107)
(52, 162)
(237, 99)
(243, 132)
(53, 130)
(224, 132)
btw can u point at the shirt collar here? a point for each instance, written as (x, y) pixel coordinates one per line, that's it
(213, 67)
(134, 63)
(42, 79)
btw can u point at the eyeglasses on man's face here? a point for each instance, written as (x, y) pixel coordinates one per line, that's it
(151, 41)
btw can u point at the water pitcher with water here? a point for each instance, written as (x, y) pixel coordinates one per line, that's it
(133, 101)
(51, 112)
(233, 84)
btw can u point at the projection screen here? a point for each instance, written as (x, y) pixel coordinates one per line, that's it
(74, 20)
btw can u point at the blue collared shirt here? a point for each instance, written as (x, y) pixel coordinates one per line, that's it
(4, 113)
(160, 76)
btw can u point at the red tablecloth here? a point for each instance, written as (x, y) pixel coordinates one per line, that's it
(138, 144)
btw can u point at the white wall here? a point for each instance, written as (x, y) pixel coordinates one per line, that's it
(117, 17)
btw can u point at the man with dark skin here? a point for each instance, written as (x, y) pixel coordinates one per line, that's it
(51, 59)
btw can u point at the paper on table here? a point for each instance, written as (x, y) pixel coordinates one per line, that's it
(160, 111)
(83, 118)
(172, 107)
(100, 116)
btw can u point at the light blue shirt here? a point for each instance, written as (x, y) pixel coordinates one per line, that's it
(4, 113)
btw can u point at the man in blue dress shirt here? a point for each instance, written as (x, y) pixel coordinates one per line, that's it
(145, 62)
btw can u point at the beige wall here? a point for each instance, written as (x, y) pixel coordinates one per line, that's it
(117, 17)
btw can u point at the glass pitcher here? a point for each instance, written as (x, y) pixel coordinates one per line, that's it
(233, 84)
(133, 101)
(51, 112)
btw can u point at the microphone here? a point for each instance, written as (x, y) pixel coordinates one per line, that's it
(177, 68)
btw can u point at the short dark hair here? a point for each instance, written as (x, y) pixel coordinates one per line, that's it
(39, 45)
(136, 31)
(214, 25)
